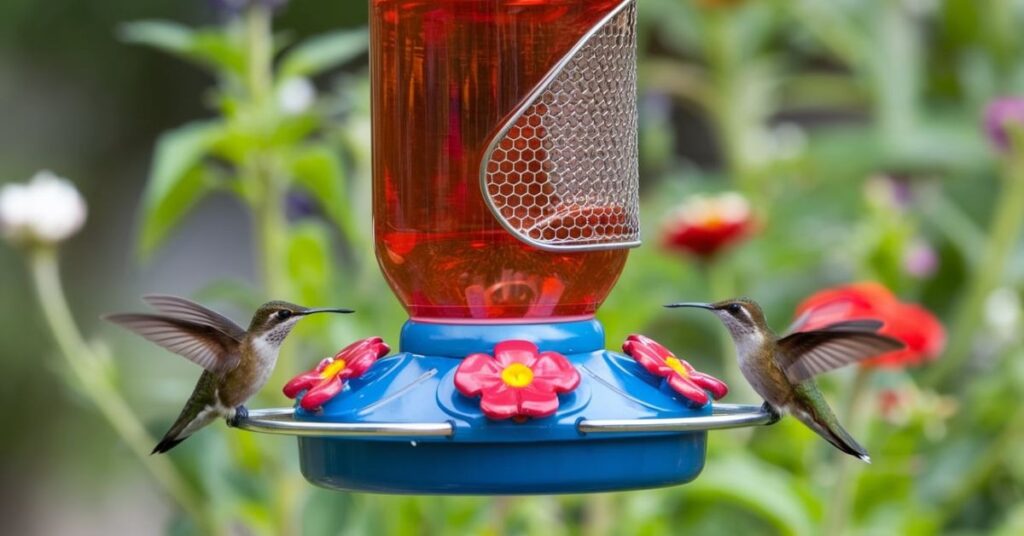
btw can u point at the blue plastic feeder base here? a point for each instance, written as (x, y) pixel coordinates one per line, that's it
(539, 456)
(503, 468)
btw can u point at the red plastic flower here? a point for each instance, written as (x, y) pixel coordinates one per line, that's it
(518, 381)
(915, 326)
(328, 378)
(679, 374)
(704, 225)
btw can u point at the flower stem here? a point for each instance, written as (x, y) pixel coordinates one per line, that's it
(727, 110)
(259, 44)
(269, 220)
(97, 386)
(599, 512)
(988, 274)
(735, 106)
(721, 280)
(270, 229)
(271, 233)
(840, 501)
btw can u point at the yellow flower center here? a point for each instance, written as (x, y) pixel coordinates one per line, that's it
(333, 369)
(517, 375)
(675, 364)
(713, 220)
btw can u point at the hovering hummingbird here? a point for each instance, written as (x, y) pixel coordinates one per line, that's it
(781, 369)
(237, 362)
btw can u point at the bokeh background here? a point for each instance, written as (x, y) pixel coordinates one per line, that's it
(854, 129)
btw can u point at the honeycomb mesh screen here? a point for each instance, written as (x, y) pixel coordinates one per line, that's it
(562, 173)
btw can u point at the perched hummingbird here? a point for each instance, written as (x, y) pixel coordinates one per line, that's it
(781, 369)
(237, 362)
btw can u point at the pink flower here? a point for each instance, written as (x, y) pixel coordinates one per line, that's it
(1001, 116)
(518, 382)
(920, 259)
(679, 374)
(328, 378)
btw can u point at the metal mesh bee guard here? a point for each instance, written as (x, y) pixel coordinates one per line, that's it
(561, 174)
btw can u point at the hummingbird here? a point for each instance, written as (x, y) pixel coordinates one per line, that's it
(237, 362)
(782, 369)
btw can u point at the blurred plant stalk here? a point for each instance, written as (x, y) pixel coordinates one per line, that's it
(93, 376)
(721, 281)
(270, 228)
(837, 513)
(989, 271)
(260, 168)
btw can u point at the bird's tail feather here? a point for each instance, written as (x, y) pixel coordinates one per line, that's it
(834, 433)
(166, 444)
(843, 441)
(177, 433)
(197, 413)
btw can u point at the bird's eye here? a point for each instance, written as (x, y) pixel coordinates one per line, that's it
(733, 309)
(284, 314)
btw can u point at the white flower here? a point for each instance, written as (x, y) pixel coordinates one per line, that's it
(788, 141)
(296, 95)
(1003, 312)
(723, 208)
(47, 209)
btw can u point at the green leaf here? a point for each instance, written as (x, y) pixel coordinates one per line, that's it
(318, 170)
(323, 52)
(210, 48)
(756, 487)
(177, 180)
(309, 261)
(240, 294)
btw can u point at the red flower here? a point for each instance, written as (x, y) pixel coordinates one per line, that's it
(328, 378)
(682, 377)
(702, 226)
(518, 381)
(894, 404)
(915, 326)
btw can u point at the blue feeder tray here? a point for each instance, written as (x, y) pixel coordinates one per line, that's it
(404, 428)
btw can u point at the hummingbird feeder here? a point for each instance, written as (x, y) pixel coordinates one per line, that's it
(505, 203)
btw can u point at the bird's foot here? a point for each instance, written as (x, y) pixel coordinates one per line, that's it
(770, 410)
(241, 413)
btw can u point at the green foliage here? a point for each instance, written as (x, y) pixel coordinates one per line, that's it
(319, 170)
(210, 48)
(178, 180)
(323, 53)
(754, 486)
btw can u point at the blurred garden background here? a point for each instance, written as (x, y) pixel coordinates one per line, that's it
(857, 140)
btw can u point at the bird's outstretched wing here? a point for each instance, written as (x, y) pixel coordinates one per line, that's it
(202, 344)
(814, 352)
(836, 310)
(868, 324)
(191, 311)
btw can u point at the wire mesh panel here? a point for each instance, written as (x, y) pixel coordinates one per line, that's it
(562, 172)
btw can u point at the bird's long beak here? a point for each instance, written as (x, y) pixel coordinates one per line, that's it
(326, 310)
(697, 305)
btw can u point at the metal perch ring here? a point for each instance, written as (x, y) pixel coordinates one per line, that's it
(281, 421)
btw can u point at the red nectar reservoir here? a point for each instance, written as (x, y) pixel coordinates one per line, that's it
(504, 143)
